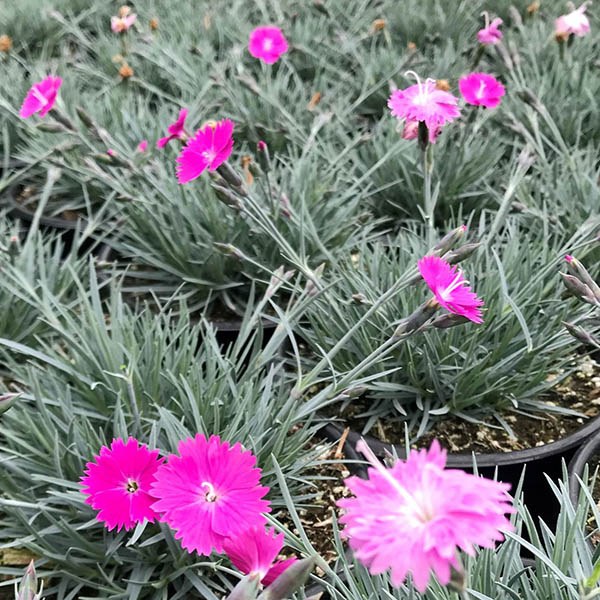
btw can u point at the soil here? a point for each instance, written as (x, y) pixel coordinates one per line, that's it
(316, 515)
(580, 392)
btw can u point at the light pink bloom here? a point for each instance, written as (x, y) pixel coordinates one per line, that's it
(255, 550)
(451, 289)
(414, 516)
(490, 34)
(209, 493)
(268, 44)
(41, 97)
(176, 130)
(142, 146)
(411, 131)
(122, 24)
(118, 483)
(575, 22)
(424, 102)
(209, 148)
(481, 89)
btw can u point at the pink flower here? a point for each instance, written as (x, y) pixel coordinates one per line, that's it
(575, 22)
(210, 147)
(176, 130)
(414, 516)
(423, 102)
(451, 289)
(142, 146)
(111, 152)
(490, 34)
(268, 44)
(481, 89)
(568, 258)
(254, 550)
(209, 493)
(261, 146)
(411, 131)
(41, 97)
(122, 24)
(118, 483)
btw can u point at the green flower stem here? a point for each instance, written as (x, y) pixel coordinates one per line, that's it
(428, 200)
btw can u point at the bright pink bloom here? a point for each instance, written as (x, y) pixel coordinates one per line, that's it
(575, 22)
(481, 89)
(451, 289)
(118, 483)
(41, 97)
(209, 493)
(111, 152)
(490, 34)
(414, 516)
(568, 258)
(122, 24)
(261, 146)
(255, 550)
(209, 148)
(142, 146)
(411, 131)
(268, 44)
(424, 102)
(176, 130)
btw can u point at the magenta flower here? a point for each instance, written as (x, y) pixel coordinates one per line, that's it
(122, 24)
(481, 89)
(575, 22)
(209, 493)
(424, 102)
(210, 147)
(451, 289)
(490, 34)
(414, 516)
(255, 550)
(41, 97)
(176, 130)
(268, 44)
(568, 258)
(142, 146)
(118, 483)
(111, 152)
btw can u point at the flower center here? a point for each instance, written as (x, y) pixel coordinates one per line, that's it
(425, 89)
(480, 90)
(456, 283)
(39, 96)
(210, 495)
(267, 44)
(209, 155)
(132, 486)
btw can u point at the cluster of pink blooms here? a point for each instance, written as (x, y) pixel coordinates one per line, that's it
(209, 494)
(416, 515)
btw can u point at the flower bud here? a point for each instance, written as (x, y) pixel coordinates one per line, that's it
(228, 197)
(49, 127)
(62, 119)
(279, 276)
(264, 158)
(449, 320)
(582, 335)
(576, 268)
(7, 400)
(360, 299)
(285, 206)
(418, 318)
(290, 580)
(226, 171)
(230, 250)
(246, 589)
(423, 136)
(450, 240)
(458, 580)
(29, 585)
(311, 286)
(579, 289)
(455, 256)
(86, 119)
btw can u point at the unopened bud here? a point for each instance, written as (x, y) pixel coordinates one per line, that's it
(423, 135)
(455, 256)
(279, 276)
(226, 171)
(458, 580)
(264, 158)
(351, 393)
(286, 207)
(449, 241)
(49, 127)
(62, 119)
(449, 320)
(311, 286)
(246, 589)
(582, 335)
(106, 159)
(227, 197)
(7, 400)
(360, 299)
(85, 118)
(290, 580)
(576, 268)
(28, 588)
(579, 289)
(230, 250)
(418, 318)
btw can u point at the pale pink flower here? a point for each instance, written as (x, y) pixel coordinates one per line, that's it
(414, 516)
(209, 493)
(424, 102)
(209, 148)
(41, 97)
(481, 89)
(268, 44)
(411, 131)
(254, 552)
(490, 34)
(176, 130)
(122, 24)
(118, 483)
(142, 146)
(450, 288)
(575, 22)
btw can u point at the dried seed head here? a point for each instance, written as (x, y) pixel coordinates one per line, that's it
(378, 24)
(533, 8)
(124, 12)
(412, 46)
(126, 71)
(442, 84)
(316, 98)
(5, 43)
(154, 23)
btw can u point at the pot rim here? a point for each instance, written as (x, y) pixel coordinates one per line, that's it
(577, 465)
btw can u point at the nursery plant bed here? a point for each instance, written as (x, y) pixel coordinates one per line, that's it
(468, 442)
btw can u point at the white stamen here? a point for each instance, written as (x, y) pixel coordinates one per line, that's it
(267, 44)
(487, 19)
(39, 96)
(211, 495)
(479, 93)
(456, 283)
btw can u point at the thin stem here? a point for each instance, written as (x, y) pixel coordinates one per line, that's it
(134, 405)
(429, 204)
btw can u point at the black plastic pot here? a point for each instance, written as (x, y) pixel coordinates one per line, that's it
(577, 465)
(538, 462)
